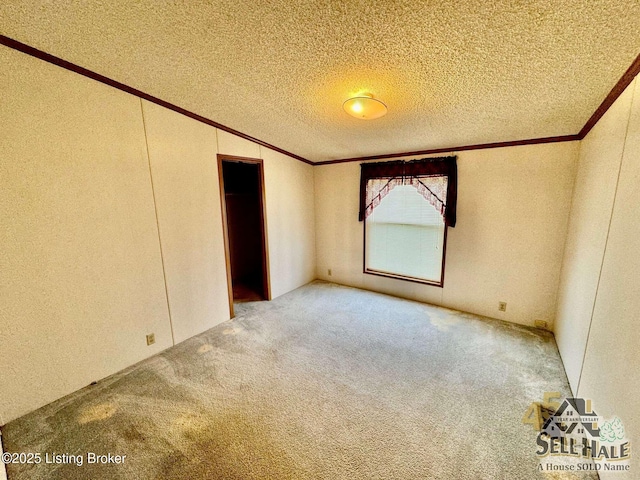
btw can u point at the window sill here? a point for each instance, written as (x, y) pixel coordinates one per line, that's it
(405, 278)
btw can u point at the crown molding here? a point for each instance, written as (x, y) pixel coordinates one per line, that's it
(613, 95)
(480, 146)
(34, 52)
(615, 92)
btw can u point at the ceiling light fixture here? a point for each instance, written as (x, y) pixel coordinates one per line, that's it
(365, 107)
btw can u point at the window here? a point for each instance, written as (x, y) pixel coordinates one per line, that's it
(406, 208)
(404, 236)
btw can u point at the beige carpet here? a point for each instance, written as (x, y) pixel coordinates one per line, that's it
(326, 382)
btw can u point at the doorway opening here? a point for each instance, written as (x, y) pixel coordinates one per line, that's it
(244, 223)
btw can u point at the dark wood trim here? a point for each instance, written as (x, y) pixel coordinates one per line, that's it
(609, 100)
(266, 274)
(444, 255)
(34, 52)
(403, 278)
(238, 159)
(481, 146)
(225, 236)
(615, 92)
(613, 95)
(266, 271)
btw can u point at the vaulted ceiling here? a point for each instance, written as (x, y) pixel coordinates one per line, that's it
(452, 73)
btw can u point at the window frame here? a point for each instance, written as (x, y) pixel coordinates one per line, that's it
(406, 278)
(430, 166)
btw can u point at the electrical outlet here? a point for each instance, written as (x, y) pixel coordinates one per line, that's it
(502, 306)
(329, 272)
(151, 339)
(540, 324)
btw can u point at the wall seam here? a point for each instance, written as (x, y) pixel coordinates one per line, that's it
(316, 269)
(155, 209)
(606, 243)
(566, 237)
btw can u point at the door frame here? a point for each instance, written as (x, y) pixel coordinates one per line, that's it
(266, 277)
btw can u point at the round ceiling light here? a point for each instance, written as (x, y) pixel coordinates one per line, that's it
(365, 107)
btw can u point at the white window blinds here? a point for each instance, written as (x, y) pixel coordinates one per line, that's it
(404, 236)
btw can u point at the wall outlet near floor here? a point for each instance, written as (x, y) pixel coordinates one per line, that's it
(540, 324)
(502, 306)
(329, 272)
(151, 339)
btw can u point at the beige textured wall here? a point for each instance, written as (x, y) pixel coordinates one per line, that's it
(289, 189)
(610, 374)
(232, 145)
(595, 186)
(184, 169)
(81, 270)
(81, 279)
(513, 207)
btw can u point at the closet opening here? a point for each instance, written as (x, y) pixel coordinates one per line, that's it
(244, 223)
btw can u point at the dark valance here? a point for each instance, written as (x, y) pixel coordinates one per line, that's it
(377, 179)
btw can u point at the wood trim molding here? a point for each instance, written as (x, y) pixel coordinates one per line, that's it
(609, 100)
(266, 270)
(238, 159)
(225, 236)
(613, 95)
(481, 146)
(615, 92)
(34, 52)
(266, 273)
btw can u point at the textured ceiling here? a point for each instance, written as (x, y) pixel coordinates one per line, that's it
(451, 72)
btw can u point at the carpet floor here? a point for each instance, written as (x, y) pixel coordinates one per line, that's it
(325, 382)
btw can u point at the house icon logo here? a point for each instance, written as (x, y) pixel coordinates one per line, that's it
(570, 428)
(573, 415)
